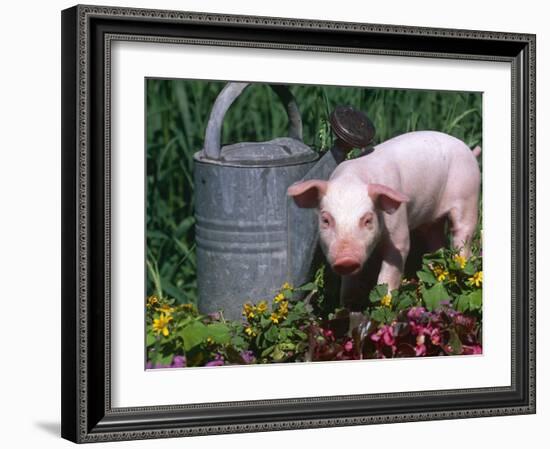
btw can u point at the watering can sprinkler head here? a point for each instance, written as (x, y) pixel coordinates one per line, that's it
(352, 129)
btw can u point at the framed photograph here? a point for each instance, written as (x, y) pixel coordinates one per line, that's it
(278, 224)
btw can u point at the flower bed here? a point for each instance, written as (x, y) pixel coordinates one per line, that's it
(437, 313)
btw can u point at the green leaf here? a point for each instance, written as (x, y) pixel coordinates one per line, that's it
(193, 335)
(152, 234)
(285, 333)
(278, 355)
(150, 340)
(434, 295)
(291, 318)
(455, 343)
(382, 315)
(268, 351)
(264, 322)
(271, 334)
(219, 332)
(299, 308)
(378, 315)
(456, 120)
(463, 303)
(378, 292)
(173, 291)
(437, 257)
(404, 303)
(310, 286)
(427, 277)
(476, 299)
(287, 294)
(239, 342)
(181, 323)
(390, 315)
(184, 226)
(470, 268)
(166, 360)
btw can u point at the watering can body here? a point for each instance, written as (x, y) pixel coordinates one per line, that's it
(251, 237)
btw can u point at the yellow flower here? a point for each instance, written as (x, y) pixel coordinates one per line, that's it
(209, 340)
(160, 324)
(275, 318)
(248, 310)
(250, 332)
(152, 300)
(261, 307)
(460, 260)
(286, 286)
(283, 308)
(166, 309)
(440, 273)
(279, 297)
(386, 300)
(476, 279)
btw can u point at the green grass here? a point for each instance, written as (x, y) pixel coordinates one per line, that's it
(177, 113)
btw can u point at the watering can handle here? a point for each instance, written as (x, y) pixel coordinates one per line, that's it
(212, 141)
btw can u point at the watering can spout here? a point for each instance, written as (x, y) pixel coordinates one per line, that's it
(352, 129)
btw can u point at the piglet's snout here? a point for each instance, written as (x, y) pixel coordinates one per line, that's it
(346, 265)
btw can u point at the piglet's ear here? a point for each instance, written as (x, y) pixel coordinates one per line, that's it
(308, 194)
(386, 198)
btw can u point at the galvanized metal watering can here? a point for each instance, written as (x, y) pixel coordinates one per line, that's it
(251, 238)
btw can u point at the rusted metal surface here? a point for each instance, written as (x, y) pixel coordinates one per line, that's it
(353, 129)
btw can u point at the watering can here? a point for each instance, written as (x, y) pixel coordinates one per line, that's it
(250, 237)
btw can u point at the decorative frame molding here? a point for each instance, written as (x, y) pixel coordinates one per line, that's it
(87, 33)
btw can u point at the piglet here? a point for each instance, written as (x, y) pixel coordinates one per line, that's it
(416, 180)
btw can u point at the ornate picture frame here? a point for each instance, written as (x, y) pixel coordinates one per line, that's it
(87, 35)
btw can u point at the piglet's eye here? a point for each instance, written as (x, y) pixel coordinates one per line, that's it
(326, 219)
(366, 220)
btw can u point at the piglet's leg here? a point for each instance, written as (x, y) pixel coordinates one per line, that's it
(463, 225)
(394, 249)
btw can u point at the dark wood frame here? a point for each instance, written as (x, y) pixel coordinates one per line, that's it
(87, 32)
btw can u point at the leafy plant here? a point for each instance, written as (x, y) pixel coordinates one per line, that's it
(436, 313)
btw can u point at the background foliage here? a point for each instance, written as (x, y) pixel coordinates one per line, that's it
(177, 113)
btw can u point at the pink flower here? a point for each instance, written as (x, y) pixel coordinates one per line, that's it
(348, 346)
(179, 361)
(435, 336)
(420, 350)
(218, 361)
(420, 346)
(472, 350)
(465, 321)
(384, 334)
(415, 313)
(388, 337)
(215, 363)
(248, 357)
(418, 329)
